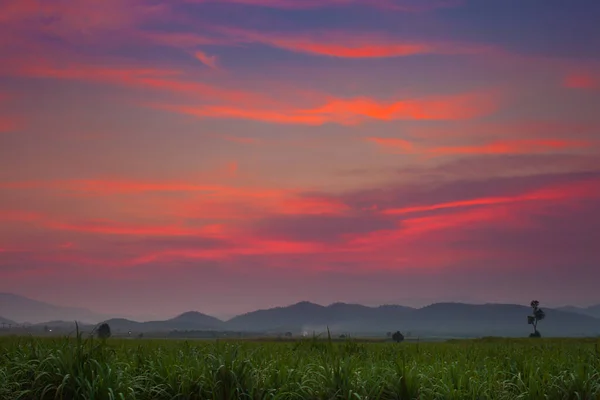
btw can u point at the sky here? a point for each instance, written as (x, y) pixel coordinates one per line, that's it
(227, 155)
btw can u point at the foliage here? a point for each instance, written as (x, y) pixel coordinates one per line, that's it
(537, 315)
(398, 337)
(103, 331)
(493, 369)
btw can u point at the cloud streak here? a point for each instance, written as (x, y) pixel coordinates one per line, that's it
(209, 61)
(355, 111)
(395, 5)
(582, 80)
(516, 146)
(351, 45)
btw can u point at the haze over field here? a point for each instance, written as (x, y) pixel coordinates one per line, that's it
(227, 156)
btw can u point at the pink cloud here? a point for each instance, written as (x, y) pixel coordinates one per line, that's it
(515, 146)
(209, 61)
(582, 189)
(582, 80)
(394, 144)
(350, 45)
(356, 110)
(396, 5)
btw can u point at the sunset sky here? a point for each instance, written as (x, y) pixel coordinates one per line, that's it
(227, 155)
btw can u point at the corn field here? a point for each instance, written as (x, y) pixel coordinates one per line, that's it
(80, 368)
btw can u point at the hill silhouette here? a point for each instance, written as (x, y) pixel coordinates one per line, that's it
(439, 319)
(191, 320)
(22, 309)
(592, 311)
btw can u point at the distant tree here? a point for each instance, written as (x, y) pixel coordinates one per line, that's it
(288, 334)
(389, 334)
(46, 329)
(398, 337)
(537, 315)
(141, 335)
(342, 336)
(103, 331)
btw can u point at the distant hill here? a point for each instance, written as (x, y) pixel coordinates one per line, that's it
(6, 321)
(188, 321)
(306, 316)
(451, 319)
(440, 319)
(22, 309)
(593, 311)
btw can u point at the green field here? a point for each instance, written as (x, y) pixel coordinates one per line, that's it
(52, 368)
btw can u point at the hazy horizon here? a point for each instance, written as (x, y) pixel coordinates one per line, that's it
(225, 315)
(225, 156)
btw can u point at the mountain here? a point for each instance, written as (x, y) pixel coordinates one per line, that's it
(22, 309)
(450, 319)
(439, 319)
(593, 311)
(498, 319)
(188, 321)
(196, 320)
(292, 317)
(306, 316)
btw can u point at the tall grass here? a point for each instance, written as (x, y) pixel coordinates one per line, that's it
(78, 368)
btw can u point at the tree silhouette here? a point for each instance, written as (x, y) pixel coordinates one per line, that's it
(398, 337)
(103, 331)
(533, 319)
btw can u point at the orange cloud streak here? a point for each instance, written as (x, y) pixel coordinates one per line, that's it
(517, 146)
(525, 146)
(154, 78)
(356, 110)
(209, 61)
(349, 45)
(583, 189)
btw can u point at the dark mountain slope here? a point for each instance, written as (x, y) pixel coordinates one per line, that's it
(22, 309)
(437, 319)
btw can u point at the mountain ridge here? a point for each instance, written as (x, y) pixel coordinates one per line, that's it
(450, 318)
(23, 309)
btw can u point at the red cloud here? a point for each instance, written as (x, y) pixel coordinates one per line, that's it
(582, 189)
(421, 5)
(581, 80)
(525, 146)
(169, 80)
(510, 212)
(65, 17)
(350, 45)
(356, 110)
(209, 61)
(522, 146)
(8, 124)
(394, 144)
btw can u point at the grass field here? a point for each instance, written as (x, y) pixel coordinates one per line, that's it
(51, 368)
